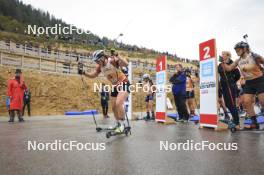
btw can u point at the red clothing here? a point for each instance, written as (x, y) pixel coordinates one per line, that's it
(15, 91)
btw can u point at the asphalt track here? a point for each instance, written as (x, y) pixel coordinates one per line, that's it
(136, 154)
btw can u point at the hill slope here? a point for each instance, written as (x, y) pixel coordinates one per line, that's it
(53, 94)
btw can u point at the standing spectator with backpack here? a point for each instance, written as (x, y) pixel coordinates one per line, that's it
(104, 101)
(27, 98)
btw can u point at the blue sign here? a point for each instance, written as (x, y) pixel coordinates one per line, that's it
(208, 69)
(160, 77)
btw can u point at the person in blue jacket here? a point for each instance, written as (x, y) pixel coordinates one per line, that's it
(8, 104)
(179, 92)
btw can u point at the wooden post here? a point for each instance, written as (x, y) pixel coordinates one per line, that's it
(1, 59)
(39, 63)
(22, 61)
(39, 50)
(56, 64)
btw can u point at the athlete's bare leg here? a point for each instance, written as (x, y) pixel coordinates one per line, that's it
(119, 105)
(113, 102)
(261, 99)
(248, 101)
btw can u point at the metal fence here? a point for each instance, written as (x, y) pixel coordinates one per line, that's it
(44, 64)
(62, 62)
(66, 56)
(42, 52)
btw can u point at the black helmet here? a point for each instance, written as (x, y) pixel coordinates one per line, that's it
(188, 72)
(18, 71)
(241, 45)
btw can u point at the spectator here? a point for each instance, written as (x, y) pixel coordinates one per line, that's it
(228, 85)
(27, 98)
(15, 91)
(80, 68)
(104, 101)
(179, 92)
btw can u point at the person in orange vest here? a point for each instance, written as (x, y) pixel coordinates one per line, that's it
(15, 91)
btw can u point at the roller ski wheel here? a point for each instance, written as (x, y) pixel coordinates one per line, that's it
(126, 132)
(108, 135)
(232, 126)
(128, 129)
(233, 129)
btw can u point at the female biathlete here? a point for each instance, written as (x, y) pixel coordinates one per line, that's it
(147, 83)
(249, 65)
(190, 96)
(110, 66)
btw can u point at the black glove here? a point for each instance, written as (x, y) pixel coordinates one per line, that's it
(220, 59)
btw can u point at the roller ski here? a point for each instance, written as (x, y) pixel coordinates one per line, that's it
(231, 125)
(250, 125)
(105, 129)
(249, 129)
(149, 118)
(120, 130)
(195, 119)
(99, 129)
